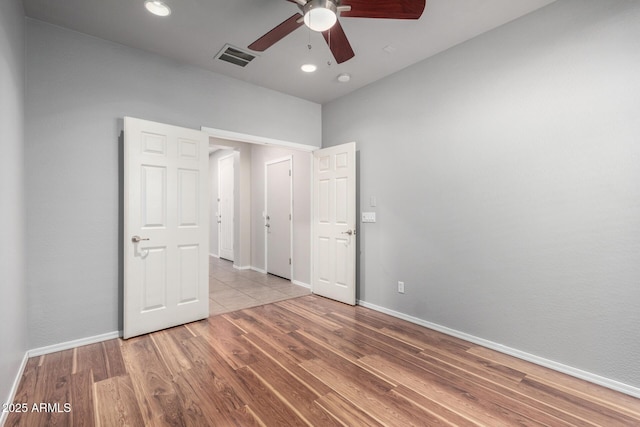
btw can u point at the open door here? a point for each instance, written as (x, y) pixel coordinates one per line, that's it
(334, 223)
(166, 226)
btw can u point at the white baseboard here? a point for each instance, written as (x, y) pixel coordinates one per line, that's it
(299, 283)
(295, 282)
(51, 349)
(213, 256)
(14, 387)
(72, 344)
(565, 369)
(263, 271)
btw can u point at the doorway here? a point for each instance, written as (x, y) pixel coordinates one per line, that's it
(302, 241)
(250, 245)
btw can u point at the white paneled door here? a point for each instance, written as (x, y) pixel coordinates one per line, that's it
(225, 207)
(334, 223)
(166, 226)
(278, 217)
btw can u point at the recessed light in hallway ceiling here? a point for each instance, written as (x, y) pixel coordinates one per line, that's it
(157, 7)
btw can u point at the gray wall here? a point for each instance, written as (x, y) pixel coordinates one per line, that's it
(507, 177)
(78, 88)
(13, 309)
(301, 165)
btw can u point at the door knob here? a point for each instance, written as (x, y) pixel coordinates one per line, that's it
(137, 239)
(349, 232)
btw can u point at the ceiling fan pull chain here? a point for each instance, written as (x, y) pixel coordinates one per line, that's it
(329, 43)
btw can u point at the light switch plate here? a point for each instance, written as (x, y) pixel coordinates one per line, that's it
(368, 217)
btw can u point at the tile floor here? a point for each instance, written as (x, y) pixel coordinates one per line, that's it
(231, 289)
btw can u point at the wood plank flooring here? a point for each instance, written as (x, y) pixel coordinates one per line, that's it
(306, 361)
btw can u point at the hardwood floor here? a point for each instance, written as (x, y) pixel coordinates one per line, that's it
(307, 361)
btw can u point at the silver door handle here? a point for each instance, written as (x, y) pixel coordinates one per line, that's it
(349, 232)
(267, 225)
(137, 239)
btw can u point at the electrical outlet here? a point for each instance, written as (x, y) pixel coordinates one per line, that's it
(401, 287)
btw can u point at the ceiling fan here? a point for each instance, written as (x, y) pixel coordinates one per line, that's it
(322, 16)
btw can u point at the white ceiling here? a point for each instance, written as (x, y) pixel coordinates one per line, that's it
(198, 29)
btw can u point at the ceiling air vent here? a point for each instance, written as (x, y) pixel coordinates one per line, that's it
(235, 56)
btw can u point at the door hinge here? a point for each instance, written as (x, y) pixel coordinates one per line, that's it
(289, 172)
(289, 217)
(289, 261)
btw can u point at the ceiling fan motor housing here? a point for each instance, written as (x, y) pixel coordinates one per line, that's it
(324, 4)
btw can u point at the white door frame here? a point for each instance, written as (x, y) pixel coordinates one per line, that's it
(266, 186)
(219, 210)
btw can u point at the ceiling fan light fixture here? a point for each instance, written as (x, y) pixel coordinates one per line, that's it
(320, 15)
(157, 7)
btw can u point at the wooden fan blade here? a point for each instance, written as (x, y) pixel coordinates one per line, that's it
(338, 43)
(386, 9)
(277, 34)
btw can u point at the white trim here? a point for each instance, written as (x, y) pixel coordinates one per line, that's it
(233, 167)
(263, 271)
(312, 220)
(259, 270)
(73, 344)
(242, 267)
(14, 387)
(268, 163)
(299, 283)
(214, 255)
(565, 369)
(254, 139)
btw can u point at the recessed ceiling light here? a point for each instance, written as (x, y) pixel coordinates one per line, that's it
(157, 7)
(308, 68)
(344, 77)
